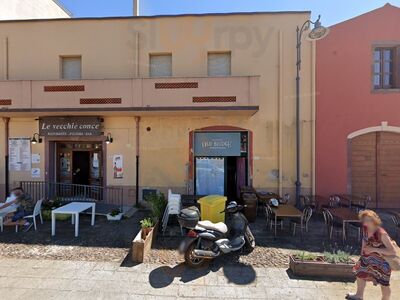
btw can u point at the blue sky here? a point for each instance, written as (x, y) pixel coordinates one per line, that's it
(332, 11)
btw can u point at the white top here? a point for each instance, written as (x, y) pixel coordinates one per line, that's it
(74, 207)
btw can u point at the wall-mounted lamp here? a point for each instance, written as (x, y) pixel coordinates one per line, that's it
(36, 139)
(109, 139)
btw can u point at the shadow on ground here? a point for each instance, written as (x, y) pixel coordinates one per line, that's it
(238, 273)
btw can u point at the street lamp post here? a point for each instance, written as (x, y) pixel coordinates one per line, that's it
(317, 33)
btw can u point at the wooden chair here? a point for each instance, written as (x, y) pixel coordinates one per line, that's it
(303, 222)
(270, 218)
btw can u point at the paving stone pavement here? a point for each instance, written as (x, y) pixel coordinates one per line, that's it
(47, 279)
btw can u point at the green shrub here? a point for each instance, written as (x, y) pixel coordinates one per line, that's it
(157, 204)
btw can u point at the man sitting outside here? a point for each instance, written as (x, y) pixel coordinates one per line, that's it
(25, 206)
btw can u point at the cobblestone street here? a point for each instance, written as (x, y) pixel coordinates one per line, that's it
(47, 279)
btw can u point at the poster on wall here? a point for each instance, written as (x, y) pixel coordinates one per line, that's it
(118, 166)
(35, 172)
(19, 152)
(35, 158)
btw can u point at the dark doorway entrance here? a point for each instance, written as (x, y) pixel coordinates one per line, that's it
(81, 167)
(231, 178)
(79, 163)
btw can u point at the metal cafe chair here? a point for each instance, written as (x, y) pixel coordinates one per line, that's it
(270, 219)
(331, 225)
(396, 223)
(303, 222)
(285, 199)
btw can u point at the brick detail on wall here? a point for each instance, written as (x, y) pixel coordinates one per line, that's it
(100, 101)
(5, 101)
(64, 88)
(176, 85)
(214, 99)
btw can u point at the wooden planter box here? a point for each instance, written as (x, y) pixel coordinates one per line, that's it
(321, 269)
(140, 247)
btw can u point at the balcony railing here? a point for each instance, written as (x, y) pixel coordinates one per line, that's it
(141, 94)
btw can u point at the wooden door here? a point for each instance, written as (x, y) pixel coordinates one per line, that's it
(375, 168)
(363, 165)
(388, 170)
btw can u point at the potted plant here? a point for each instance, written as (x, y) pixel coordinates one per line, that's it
(143, 241)
(147, 225)
(115, 215)
(338, 264)
(51, 204)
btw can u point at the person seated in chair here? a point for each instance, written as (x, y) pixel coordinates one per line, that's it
(25, 206)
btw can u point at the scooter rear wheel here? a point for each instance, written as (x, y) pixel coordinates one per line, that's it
(192, 261)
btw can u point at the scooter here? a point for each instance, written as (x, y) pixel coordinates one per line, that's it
(206, 240)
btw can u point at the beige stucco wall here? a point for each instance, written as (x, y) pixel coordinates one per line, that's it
(31, 9)
(262, 44)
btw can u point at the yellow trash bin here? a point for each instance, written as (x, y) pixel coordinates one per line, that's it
(211, 208)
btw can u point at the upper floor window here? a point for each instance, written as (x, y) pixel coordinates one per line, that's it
(219, 64)
(386, 68)
(160, 65)
(71, 67)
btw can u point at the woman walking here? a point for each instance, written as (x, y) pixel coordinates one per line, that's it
(372, 266)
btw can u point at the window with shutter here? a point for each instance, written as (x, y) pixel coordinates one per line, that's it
(160, 65)
(219, 64)
(71, 67)
(386, 68)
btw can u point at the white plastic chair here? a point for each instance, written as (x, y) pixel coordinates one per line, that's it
(37, 211)
(174, 207)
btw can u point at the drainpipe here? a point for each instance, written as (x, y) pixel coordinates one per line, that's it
(137, 121)
(6, 135)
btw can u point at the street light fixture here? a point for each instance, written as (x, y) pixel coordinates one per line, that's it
(36, 139)
(317, 33)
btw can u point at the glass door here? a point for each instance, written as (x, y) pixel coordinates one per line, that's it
(210, 176)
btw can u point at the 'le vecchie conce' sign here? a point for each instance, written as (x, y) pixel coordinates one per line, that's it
(70, 126)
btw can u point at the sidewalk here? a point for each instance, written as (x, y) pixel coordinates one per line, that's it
(46, 279)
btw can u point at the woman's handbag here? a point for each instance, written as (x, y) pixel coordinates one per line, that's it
(394, 260)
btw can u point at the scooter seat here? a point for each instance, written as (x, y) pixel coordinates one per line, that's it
(220, 227)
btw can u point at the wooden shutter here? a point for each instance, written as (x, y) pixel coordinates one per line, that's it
(388, 166)
(71, 68)
(160, 65)
(363, 165)
(219, 64)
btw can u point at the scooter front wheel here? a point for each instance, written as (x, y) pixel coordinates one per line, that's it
(250, 239)
(191, 260)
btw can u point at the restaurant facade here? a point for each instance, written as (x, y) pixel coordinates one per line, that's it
(200, 104)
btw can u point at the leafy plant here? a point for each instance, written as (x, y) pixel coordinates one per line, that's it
(115, 212)
(337, 257)
(147, 223)
(306, 256)
(157, 204)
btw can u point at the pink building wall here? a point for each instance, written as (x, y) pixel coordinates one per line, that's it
(346, 101)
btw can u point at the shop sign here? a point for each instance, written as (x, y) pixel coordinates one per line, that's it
(70, 126)
(217, 144)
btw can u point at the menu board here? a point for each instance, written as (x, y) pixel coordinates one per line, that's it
(19, 154)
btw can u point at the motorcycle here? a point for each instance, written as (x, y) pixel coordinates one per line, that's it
(206, 240)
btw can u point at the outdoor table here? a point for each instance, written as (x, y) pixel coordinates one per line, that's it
(74, 209)
(345, 215)
(286, 211)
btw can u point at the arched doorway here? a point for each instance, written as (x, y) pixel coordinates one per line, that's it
(374, 165)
